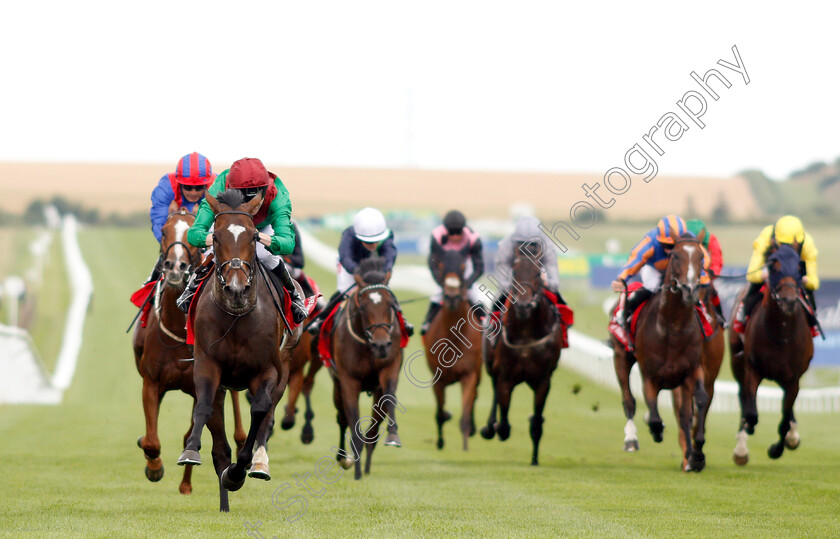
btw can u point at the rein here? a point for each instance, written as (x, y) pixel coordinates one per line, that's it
(373, 327)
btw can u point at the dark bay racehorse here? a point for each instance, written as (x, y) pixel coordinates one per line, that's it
(440, 343)
(528, 349)
(240, 342)
(304, 357)
(368, 357)
(776, 345)
(669, 348)
(160, 348)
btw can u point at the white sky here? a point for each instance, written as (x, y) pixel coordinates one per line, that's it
(525, 85)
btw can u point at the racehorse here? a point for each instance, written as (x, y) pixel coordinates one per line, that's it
(466, 367)
(303, 356)
(776, 345)
(240, 343)
(160, 349)
(367, 348)
(528, 350)
(669, 348)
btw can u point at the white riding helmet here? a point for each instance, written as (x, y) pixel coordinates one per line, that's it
(369, 225)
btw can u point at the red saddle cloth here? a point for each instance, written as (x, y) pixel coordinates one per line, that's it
(139, 300)
(567, 315)
(325, 335)
(618, 332)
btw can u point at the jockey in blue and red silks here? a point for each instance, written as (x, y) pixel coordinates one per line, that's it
(454, 235)
(183, 188)
(649, 258)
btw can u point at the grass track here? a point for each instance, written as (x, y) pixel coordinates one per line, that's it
(74, 469)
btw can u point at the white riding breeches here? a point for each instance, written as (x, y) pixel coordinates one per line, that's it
(651, 277)
(269, 260)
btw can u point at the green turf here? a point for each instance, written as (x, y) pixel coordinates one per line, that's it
(74, 469)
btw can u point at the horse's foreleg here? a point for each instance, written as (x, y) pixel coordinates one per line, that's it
(259, 462)
(371, 434)
(388, 381)
(441, 416)
(150, 444)
(540, 396)
(503, 391)
(345, 460)
(623, 364)
(186, 482)
(677, 399)
(350, 390)
(295, 386)
(747, 395)
(307, 434)
(221, 448)
(685, 416)
(469, 384)
(697, 460)
(775, 451)
(489, 430)
(206, 375)
(238, 430)
(654, 420)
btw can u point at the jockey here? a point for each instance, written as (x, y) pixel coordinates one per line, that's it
(649, 258)
(712, 245)
(788, 230)
(454, 235)
(184, 187)
(368, 236)
(273, 222)
(527, 229)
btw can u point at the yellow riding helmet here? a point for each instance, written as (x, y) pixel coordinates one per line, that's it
(789, 229)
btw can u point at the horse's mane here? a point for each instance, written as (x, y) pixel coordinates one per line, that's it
(372, 270)
(231, 197)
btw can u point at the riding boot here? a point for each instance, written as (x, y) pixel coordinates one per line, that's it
(184, 300)
(315, 325)
(812, 301)
(634, 300)
(747, 305)
(434, 309)
(299, 313)
(409, 327)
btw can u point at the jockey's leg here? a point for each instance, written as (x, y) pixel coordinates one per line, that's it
(156, 273)
(278, 268)
(197, 276)
(747, 305)
(434, 309)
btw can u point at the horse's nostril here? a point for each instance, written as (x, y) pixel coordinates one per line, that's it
(226, 288)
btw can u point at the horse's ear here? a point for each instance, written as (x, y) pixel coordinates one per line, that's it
(359, 281)
(673, 233)
(173, 207)
(253, 206)
(387, 278)
(701, 236)
(211, 200)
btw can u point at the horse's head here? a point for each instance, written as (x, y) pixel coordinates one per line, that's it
(178, 256)
(685, 265)
(784, 278)
(450, 270)
(528, 275)
(234, 242)
(375, 305)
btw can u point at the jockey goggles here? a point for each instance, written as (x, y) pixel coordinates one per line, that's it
(250, 192)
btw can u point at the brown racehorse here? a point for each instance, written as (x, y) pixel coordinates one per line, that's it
(368, 357)
(304, 356)
(776, 345)
(160, 348)
(240, 343)
(669, 350)
(466, 369)
(528, 349)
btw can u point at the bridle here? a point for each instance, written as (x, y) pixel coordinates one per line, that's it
(368, 330)
(237, 263)
(676, 287)
(165, 254)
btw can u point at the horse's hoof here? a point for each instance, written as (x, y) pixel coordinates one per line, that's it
(504, 431)
(185, 489)
(741, 460)
(287, 423)
(775, 451)
(472, 430)
(393, 440)
(696, 463)
(656, 431)
(189, 457)
(791, 442)
(487, 432)
(259, 471)
(440, 443)
(631, 446)
(444, 417)
(154, 475)
(346, 463)
(534, 462)
(230, 483)
(307, 434)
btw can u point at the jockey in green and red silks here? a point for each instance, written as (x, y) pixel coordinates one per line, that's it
(273, 221)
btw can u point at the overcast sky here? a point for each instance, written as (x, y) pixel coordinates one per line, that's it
(525, 85)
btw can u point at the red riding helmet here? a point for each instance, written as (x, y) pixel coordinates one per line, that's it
(194, 169)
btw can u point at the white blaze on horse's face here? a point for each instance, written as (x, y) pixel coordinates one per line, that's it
(236, 230)
(452, 282)
(690, 276)
(375, 297)
(181, 228)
